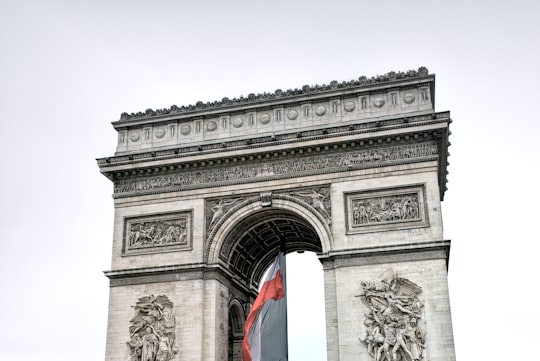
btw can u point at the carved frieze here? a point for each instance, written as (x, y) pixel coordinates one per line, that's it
(153, 330)
(393, 318)
(388, 209)
(157, 233)
(280, 168)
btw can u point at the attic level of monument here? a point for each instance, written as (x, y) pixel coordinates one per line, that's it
(386, 115)
(365, 84)
(269, 115)
(350, 147)
(206, 195)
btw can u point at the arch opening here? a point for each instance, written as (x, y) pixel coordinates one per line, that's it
(249, 249)
(236, 331)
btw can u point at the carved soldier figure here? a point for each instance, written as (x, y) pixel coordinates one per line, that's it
(415, 338)
(150, 344)
(152, 330)
(394, 309)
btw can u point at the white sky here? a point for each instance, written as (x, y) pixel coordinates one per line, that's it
(69, 68)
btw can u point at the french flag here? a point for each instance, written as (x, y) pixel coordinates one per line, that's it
(265, 334)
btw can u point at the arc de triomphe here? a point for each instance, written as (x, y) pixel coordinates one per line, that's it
(203, 194)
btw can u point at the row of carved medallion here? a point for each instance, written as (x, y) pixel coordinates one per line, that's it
(279, 168)
(332, 108)
(278, 94)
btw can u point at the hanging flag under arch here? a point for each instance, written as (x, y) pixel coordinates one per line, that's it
(265, 333)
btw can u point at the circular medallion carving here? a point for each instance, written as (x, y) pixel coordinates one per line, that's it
(211, 126)
(265, 118)
(349, 106)
(160, 133)
(292, 115)
(408, 98)
(185, 130)
(320, 110)
(378, 102)
(238, 122)
(134, 137)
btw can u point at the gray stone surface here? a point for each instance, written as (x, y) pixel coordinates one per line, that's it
(245, 173)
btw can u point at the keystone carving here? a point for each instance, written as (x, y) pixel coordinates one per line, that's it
(152, 330)
(266, 199)
(392, 318)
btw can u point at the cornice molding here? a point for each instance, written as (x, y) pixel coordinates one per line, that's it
(171, 273)
(406, 252)
(278, 95)
(405, 123)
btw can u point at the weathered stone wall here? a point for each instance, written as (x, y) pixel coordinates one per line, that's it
(343, 285)
(190, 303)
(359, 168)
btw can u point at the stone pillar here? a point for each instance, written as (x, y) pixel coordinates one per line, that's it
(332, 324)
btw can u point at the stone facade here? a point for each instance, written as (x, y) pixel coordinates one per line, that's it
(354, 171)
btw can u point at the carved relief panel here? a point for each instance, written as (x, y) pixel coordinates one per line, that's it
(393, 318)
(157, 233)
(153, 330)
(396, 208)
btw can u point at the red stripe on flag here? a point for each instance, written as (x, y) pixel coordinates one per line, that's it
(271, 290)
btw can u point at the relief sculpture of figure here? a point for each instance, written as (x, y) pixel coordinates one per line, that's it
(219, 209)
(391, 325)
(156, 233)
(150, 345)
(317, 201)
(360, 214)
(385, 209)
(415, 338)
(152, 330)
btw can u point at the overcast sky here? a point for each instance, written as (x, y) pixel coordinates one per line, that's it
(69, 68)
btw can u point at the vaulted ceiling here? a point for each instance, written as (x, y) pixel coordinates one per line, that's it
(253, 245)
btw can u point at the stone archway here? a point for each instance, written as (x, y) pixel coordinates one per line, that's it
(247, 237)
(354, 171)
(248, 246)
(235, 330)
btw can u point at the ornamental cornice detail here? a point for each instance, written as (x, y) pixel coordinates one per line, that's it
(278, 95)
(278, 169)
(404, 123)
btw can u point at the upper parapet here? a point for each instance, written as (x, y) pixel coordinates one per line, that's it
(362, 100)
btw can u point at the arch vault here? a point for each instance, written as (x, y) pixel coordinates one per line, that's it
(204, 195)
